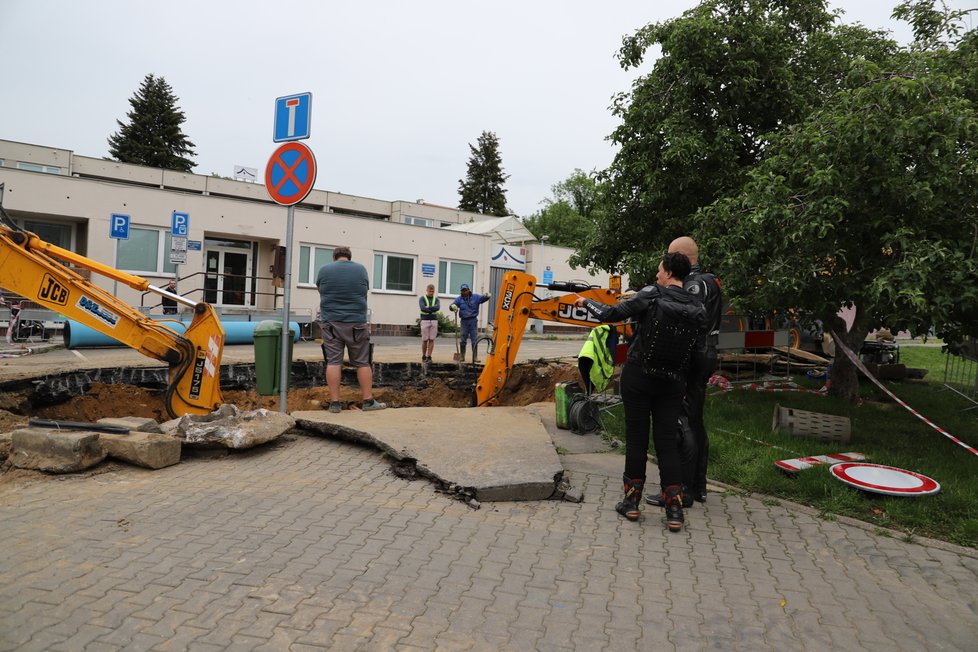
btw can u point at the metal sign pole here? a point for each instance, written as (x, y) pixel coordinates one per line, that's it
(283, 397)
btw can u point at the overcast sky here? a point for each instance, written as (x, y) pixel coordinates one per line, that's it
(400, 88)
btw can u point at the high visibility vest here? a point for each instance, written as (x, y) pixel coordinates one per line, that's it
(596, 348)
(430, 301)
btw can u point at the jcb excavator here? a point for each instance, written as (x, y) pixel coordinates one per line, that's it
(518, 303)
(34, 269)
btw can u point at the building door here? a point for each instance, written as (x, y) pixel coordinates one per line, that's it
(495, 286)
(227, 279)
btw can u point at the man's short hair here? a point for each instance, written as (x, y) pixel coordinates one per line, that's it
(431, 286)
(676, 264)
(342, 252)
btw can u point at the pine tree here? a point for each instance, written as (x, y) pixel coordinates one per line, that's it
(482, 189)
(153, 136)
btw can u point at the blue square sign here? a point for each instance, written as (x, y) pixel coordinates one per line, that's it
(293, 115)
(180, 225)
(119, 226)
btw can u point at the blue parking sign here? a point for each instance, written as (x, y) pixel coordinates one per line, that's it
(293, 115)
(180, 226)
(119, 226)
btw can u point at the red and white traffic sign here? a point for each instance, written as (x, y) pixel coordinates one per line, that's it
(290, 173)
(887, 480)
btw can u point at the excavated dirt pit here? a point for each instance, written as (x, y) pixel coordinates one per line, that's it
(88, 397)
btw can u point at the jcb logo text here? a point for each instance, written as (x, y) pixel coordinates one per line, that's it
(52, 291)
(568, 311)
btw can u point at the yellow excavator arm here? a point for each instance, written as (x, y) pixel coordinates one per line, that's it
(517, 303)
(33, 268)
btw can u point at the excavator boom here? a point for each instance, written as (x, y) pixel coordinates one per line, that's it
(518, 303)
(33, 268)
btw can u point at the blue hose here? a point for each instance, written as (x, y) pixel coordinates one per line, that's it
(79, 336)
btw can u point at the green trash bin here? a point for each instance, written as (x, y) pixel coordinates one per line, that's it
(268, 356)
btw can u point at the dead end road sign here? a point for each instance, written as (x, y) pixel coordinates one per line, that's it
(290, 173)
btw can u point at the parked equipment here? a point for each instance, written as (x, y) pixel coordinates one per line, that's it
(38, 271)
(517, 304)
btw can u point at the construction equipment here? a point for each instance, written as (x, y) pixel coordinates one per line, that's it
(37, 270)
(516, 304)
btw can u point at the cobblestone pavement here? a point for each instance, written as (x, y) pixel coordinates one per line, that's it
(312, 544)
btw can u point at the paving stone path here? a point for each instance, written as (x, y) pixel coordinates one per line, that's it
(313, 544)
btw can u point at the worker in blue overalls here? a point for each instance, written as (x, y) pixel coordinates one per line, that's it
(467, 306)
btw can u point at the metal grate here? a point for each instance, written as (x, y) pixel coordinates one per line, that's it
(961, 370)
(814, 425)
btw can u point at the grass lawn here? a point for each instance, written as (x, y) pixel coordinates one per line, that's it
(743, 450)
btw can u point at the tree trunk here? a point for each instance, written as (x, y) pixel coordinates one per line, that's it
(844, 375)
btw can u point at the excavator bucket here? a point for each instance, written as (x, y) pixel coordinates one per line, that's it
(195, 382)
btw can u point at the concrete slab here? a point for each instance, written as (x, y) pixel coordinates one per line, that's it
(55, 451)
(499, 453)
(150, 450)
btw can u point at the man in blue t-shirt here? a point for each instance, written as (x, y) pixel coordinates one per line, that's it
(343, 286)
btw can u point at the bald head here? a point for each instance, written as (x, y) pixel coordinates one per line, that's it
(685, 245)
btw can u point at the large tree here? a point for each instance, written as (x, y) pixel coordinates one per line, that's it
(153, 134)
(871, 202)
(730, 73)
(482, 191)
(568, 216)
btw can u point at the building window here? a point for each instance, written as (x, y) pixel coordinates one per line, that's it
(418, 221)
(57, 234)
(146, 250)
(35, 167)
(451, 275)
(311, 258)
(393, 273)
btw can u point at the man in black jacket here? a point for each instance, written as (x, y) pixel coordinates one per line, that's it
(705, 287)
(671, 324)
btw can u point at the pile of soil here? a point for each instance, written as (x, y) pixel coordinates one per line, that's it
(528, 383)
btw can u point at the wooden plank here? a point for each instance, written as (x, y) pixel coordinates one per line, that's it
(746, 358)
(798, 354)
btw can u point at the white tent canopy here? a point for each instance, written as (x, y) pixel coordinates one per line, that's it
(506, 230)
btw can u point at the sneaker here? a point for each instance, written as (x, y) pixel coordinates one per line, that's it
(373, 404)
(336, 406)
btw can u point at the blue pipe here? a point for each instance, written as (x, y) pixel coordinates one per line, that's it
(79, 336)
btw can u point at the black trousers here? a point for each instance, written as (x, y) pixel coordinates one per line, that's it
(658, 402)
(702, 368)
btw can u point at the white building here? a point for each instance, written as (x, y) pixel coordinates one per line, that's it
(237, 234)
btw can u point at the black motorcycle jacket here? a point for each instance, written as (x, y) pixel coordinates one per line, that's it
(705, 287)
(653, 305)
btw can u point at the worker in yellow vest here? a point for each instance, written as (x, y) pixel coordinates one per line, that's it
(596, 360)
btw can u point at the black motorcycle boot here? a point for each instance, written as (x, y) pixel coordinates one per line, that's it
(673, 497)
(629, 505)
(656, 500)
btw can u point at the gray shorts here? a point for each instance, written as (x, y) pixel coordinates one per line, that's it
(355, 337)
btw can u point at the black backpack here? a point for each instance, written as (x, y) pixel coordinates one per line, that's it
(670, 334)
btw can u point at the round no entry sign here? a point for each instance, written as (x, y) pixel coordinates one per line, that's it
(290, 173)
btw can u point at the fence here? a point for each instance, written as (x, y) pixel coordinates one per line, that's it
(961, 370)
